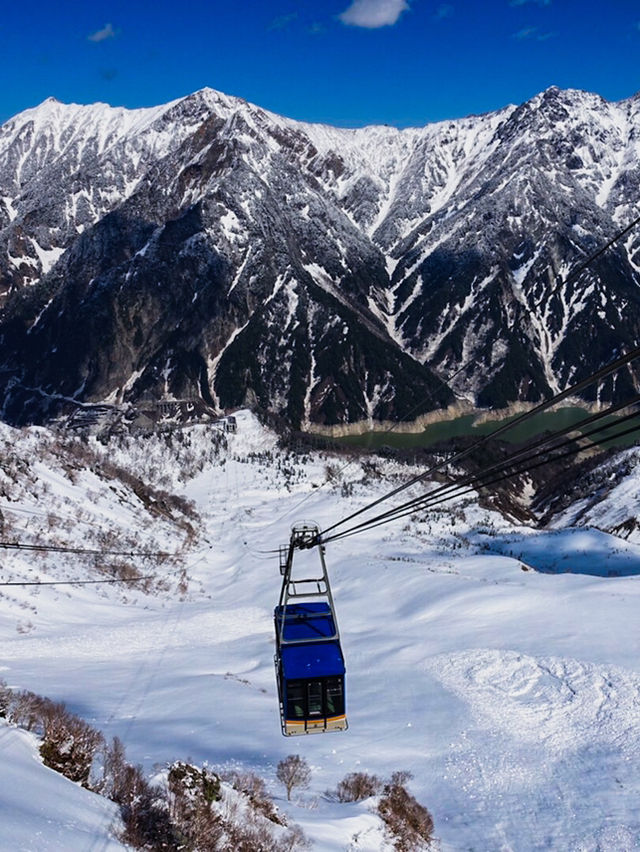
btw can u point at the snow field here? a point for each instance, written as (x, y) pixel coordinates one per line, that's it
(40, 810)
(513, 696)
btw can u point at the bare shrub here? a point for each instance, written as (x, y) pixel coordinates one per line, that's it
(293, 771)
(253, 787)
(190, 782)
(25, 710)
(124, 570)
(5, 699)
(409, 824)
(70, 744)
(143, 807)
(145, 813)
(254, 834)
(157, 502)
(192, 792)
(357, 786)
(114, 764)
(183, 583)
(332, 473)
(371, 472)
(198, 824)
(346, 489)
(293, 840)
(248, 836)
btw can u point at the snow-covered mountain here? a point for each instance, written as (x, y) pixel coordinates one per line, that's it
(208, 247)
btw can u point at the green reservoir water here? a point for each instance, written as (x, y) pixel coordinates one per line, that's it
(463, 426)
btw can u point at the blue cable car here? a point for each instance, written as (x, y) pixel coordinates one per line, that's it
(309, 664)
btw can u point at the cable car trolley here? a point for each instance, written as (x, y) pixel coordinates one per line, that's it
(309, 663)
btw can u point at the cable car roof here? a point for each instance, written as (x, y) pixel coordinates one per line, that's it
(305, 627)
(317, 659)
(306, 621)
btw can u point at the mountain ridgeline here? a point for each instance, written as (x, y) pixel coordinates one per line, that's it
(210, 248)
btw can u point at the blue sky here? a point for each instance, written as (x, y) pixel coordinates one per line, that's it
(346, 62)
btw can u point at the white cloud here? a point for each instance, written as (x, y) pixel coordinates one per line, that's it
(373, 13)
(101, 35)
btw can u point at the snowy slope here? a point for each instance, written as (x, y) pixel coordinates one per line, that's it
(607, 498)
(512, 695)
(41, 810)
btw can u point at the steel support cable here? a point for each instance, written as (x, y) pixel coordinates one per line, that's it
(503, 464)
(524, 469)
(480, 481)
(605, 371)
(76, 582)
(82, 551)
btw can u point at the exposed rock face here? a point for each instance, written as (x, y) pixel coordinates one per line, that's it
(210, 248)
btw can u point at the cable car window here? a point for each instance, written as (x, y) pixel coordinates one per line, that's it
(335, 696)
(295, 699)
(314, 688)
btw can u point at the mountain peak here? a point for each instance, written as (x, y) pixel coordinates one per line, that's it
(325, 274)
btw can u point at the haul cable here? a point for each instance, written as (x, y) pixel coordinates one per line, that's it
(76, 582)
(525, 468)
(83, 551)
(479, 479)
(526, 452)
(603, 372)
